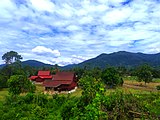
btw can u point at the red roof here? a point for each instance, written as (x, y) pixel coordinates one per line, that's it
(43, 73)
(65, 78)
(46, 76)
(33, 77)
(69, 76)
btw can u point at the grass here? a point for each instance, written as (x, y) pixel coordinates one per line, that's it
(156, 80)
(39, 88)
(3, 94)
(130, 78)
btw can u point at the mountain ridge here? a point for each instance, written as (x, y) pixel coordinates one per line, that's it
(120, 58)
(32, 63)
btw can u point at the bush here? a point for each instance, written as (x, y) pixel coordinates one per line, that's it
(111, 77)
(158, 87)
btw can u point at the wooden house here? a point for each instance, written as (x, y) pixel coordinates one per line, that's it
(61, 81)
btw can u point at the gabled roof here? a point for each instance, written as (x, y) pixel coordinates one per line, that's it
(43, 73)
(64, 76)
(33, 77)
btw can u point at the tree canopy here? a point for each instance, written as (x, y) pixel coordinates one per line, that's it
(144, 73)
(111, 77)
(19, 84)
(11, 57)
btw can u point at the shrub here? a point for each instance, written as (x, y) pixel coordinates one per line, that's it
(158, 87)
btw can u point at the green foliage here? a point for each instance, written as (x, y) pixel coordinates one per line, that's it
(90, 87)
(122, 71)
(89, 105)
(94, 104)
(158, 87)
(11, 56)
(25, 107)
(3, 81)
(116, 105)
(19, 84)
(79, 72)
(144, 73)
(111, 77)
(156, 73)
(95, 73)
(129, 106)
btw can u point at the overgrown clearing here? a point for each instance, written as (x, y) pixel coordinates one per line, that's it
(129, 87)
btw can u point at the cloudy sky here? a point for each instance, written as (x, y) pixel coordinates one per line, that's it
(71, 31)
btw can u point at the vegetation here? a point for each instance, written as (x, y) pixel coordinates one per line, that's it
(111, 77)
(144, 73)
(20, 84)
(121, 58)
(11, 56)
(158, 87)
(116, 105)
(102, 94)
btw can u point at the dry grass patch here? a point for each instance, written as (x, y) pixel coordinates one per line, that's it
(39, 88)
(141, 85)
(3, 94)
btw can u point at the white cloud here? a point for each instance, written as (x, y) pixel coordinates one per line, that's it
(43, 5)
(85, 28)
(41, 50)
(117, 16)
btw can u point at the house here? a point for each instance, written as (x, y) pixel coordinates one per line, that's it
(61, 81)
(42, 75)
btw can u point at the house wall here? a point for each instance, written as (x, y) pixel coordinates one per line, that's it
(39, 80)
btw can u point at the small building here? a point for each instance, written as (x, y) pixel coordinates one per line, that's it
(61, 81)
(42, 76)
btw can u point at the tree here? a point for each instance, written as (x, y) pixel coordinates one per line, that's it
(111, 77)
(20, 84)
(11, 56)
(79, 72)
(144, 73)
(156, 73)
(90, 86)
(95, 72)
(3, 81)
(89, 105)
(122, 70)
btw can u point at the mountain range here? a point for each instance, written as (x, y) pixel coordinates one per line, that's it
(121, 58)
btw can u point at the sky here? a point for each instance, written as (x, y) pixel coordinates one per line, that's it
(71, 31)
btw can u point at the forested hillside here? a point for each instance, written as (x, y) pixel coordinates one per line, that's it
(121, 58)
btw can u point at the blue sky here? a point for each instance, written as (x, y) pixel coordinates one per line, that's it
(71, 31)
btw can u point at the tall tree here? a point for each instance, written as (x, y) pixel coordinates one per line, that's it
(11, 57)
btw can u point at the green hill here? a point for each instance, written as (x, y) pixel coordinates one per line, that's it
(121, 58)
